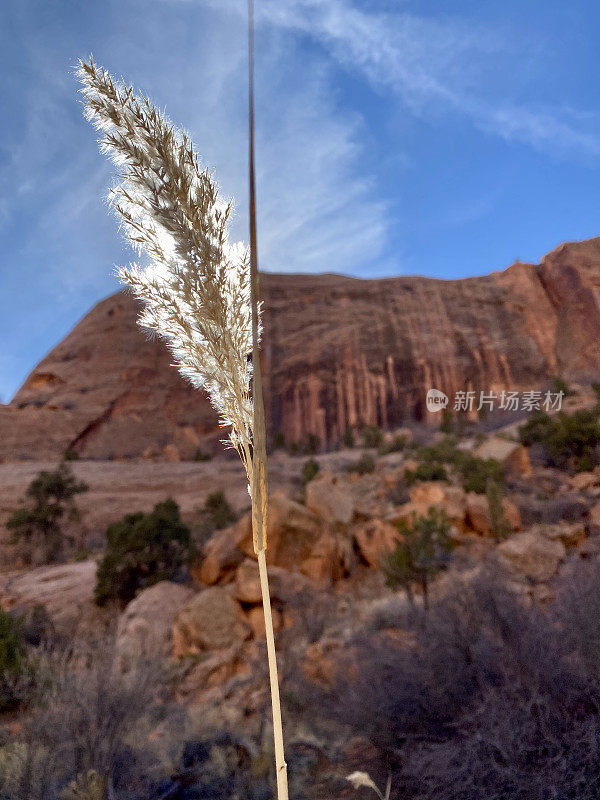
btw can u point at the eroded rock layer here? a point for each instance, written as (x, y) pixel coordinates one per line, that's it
(339, 352)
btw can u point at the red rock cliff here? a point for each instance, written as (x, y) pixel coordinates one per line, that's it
(338, 352)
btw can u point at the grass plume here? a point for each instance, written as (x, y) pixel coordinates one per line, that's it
(199, 292)
(196, 289)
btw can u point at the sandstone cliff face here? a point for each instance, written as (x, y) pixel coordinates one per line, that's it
(338, 352)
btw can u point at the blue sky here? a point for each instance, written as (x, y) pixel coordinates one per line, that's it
(435, 137)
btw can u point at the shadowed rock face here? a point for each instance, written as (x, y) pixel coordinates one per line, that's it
(338, 352)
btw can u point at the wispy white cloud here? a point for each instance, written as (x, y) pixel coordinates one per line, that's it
(433, 66)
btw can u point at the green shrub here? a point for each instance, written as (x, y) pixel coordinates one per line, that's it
(310, 470)
(569, 440)
(311, 445)
(429, 471)
(476, 473)
(422, 550)
(372, 436)
(70, 455)
(447, 421)
(364, 465)
(141, 550)
(537, 430)
(220, 512)
(500, 526)
(560, 385)
(278, 440)
(13, 658)
(395, 445)
(37, 526)
(443, 452)
(348, 438)
(200, 455)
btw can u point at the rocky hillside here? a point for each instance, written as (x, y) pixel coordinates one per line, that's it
(339, 352)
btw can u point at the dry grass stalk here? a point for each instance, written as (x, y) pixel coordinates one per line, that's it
(200, 293)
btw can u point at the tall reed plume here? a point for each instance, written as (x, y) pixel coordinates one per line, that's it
(199, 292)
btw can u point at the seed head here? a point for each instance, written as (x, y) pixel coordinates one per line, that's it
(196, 289)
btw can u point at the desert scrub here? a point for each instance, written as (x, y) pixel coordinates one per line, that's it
(428, 471)
(13, 659)
(37, 527)
(141, 550)
(500, 526)
(199, 292)
(423, 549)
(219, 512)
(395, 445)
(364, 465)
(85, 716)
(475, 472)
(348, 438)
(372, 436)
(568, 441)
(310, 470)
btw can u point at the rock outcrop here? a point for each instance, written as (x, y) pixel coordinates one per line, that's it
(339, 352)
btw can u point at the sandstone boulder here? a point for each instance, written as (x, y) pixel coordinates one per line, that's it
(330, 497)
(427, 492)
(213, 620)
(583, 481)
(220, 557)
(451, 500)
(283, 584)
(594, 519)
(65, 590)
(478, 513)
(256, 620)
(532, 554)
(571, 534)
(374, 539)
(293, 531)
(369, 493)
(329, 560)
(512, 455)
(146, 626)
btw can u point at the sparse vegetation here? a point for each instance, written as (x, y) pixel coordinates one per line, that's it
(141, 550)
(475, 472)
(348, 439)
(278, 440)
(310, 470)
(13, 658)
(37, 527)
(422, 550)
(568, 441)
(478, 472)
(372, 436)
(394, 445)
(428, 471)
(490, 694)
(364, 465)
(220, 512)
(559, 385)
(87, 732)
(200, 455)
(447, 421)
(312, 444)
(500, 526)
